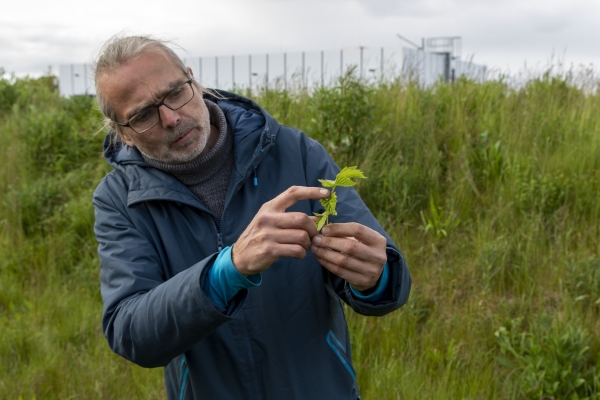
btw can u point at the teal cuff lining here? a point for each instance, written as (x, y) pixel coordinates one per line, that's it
(225, 281)
(379, 293)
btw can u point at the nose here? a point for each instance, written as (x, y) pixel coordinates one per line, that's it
(168, 117)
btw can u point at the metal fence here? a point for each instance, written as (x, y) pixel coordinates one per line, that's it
(301, 70)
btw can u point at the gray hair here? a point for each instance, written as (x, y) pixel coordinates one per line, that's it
(119, 50)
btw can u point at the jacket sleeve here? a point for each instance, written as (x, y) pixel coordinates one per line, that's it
(351, 208)
(146, 318)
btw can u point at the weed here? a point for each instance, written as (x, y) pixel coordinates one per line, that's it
(550, 361)
(437, 221)
(583, 282)
(487, 161)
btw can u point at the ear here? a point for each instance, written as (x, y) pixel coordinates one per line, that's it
(124, 137)
(189, 70)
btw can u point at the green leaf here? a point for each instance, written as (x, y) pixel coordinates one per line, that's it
(321, 221)
(327, 183)
(505, 361)
(579, 382)
(344, 182)
(351, 173)
(343, 179)
(330, 203)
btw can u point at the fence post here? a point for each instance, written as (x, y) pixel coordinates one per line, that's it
(381, 76)
(322, 68)
(303, 76)
(72, 80)
(85, 83)
(361, 62)
(200, 70)
(284, 71)
(216, 72)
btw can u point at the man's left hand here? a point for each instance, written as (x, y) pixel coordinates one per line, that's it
(353, 252)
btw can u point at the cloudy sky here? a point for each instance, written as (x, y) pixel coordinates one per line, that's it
(503, 34)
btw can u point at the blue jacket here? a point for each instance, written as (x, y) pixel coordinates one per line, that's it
(284, 339)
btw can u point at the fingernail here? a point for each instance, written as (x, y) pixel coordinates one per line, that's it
(314, 248)
(317, 240)
(324, 191)
(325, 230)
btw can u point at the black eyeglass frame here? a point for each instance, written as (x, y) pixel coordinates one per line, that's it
(157, 105)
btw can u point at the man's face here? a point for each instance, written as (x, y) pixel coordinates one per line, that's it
(181, 135)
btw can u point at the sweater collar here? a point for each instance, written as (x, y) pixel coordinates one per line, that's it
(202, 168)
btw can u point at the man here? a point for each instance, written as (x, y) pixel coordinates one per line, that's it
(211, 264)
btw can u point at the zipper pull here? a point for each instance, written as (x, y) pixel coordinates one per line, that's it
(255, 178)
(219, 242)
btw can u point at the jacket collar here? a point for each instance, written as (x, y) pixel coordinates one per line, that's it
(254, 133)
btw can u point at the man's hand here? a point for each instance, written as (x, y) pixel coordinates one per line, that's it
(353, 252)
(274, 233)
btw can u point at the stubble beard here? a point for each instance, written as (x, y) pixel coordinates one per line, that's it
(169, 155)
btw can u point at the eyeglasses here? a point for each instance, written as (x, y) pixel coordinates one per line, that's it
(149, 117)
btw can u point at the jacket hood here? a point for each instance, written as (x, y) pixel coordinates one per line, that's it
(254, 130)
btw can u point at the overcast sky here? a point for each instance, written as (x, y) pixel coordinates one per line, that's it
(502, 34)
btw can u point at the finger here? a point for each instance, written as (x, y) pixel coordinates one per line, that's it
(296, 220)
(360, 280)
(296, 193)
(354, 248)
(280, 250)
(362, 233)
(342, 260)
(292, 236)
(289, 250)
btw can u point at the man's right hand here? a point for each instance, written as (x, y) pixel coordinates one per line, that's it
(274, 233)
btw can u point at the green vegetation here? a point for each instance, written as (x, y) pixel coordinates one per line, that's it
(490, 190)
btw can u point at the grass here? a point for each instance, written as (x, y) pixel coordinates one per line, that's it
(490, 189)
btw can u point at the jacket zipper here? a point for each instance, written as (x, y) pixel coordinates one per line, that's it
(251, 164)
(219, 236)
(245, 336)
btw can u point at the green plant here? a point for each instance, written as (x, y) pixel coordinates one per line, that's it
(342, 116)
(343, 179)
(584, 282)
(541, 193)
(487, 161)
(438, 222)
(552, 361)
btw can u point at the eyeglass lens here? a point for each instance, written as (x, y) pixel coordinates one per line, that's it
(149, 117)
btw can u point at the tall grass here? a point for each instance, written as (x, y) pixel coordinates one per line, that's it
(491, 191)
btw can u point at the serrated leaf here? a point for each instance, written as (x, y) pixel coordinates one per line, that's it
(344, 182)
(330, 203)
(343, 179)
(321, 221)
(351, 173)
(327, 182)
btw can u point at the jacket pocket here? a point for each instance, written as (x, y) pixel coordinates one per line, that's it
(340, 351)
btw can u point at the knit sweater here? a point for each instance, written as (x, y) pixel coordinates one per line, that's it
(207, 177)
